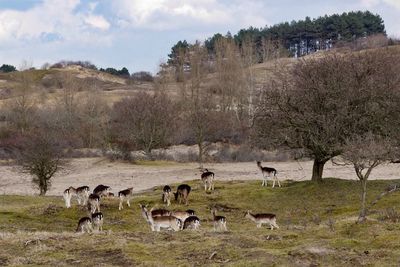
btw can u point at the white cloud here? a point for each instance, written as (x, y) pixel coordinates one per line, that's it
(177, 14)
(97, 22)
(50, 18)
(372, 3)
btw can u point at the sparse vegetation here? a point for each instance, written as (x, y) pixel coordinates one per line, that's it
(36, 232)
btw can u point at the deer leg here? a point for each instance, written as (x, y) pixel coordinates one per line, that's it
(259, 225)
(120, 204)
(273, 183)
(278, 181)
(128, 202)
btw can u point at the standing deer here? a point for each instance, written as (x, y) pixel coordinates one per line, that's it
(263, 218)
(102, 190)
(164, 222)
(182, 215)
(208, 179)
(97, 221)
(166, 196)
(93, 204)
(81, 193)
(126, 194)
(84, 224)
(182, 192)
(219, 221)
(267, 172)
(191, 222)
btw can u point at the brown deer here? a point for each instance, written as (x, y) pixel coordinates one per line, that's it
(102, 190)
(263, 218)
(126, 194)
(84, 225)
(164, 222)
(182, 193)
(81, 193)
(93, 204)
(191, 222)
(208, 179)
(267, 172)
(219, 221)
(97, 221)
(166, 196)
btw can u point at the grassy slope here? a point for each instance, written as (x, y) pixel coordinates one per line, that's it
(39, 230)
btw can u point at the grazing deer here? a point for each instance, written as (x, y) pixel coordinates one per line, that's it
(208, 179)
(93, 204)
(125, 194)
(191, 222)
(166, 196)
(182, 215)
(102, 190)
(219, 221)
(153, 212)
(267, 172)
(182, 192)
(81, 193)
(164, 222)
(84, 224)
(263, 218)
(97, 221)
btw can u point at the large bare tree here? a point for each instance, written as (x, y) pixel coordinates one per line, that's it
(319, 102)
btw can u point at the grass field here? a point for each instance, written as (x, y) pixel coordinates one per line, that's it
(317, 227)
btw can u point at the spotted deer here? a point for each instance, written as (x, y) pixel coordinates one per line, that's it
(267, 172)
(93, 204)
(84, 225)
(126, 194)
(81, 193)
(219, 221)
(192, 222)
(153, 212)
(183, 215)
(182, 192)
(164, 222)
(263, 218)
(102, 190)
(208, 179)
(166, 196)
(97, 221)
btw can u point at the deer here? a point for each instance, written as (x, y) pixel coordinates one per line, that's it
(93, 204)
(102, 190)
(164, 222)
(166, 196)
(208, 179)
(97, 221)
(183, 215)
(267, 172)
(263, 218)
(81, 193)
(219, 221)
(153, 212)
(84, 225)
(191, 222)
(125, 194)
(182, 192)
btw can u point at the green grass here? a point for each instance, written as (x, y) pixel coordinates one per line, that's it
(317, 226)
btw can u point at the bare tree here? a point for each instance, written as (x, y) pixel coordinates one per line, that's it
(365, 153)
(41, 157)
(320, 102)
(142, 122)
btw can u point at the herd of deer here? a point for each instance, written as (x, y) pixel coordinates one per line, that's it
(162, 218)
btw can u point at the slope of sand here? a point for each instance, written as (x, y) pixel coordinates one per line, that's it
(94, 171)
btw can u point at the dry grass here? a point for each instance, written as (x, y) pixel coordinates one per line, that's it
(39, 230)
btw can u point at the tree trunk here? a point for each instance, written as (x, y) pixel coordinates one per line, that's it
(318, 168)
(200, 155)
(363, 211)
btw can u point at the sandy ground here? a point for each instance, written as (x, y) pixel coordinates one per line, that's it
(94, 171)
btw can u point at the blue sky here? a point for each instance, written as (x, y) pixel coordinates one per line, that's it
(138, 34)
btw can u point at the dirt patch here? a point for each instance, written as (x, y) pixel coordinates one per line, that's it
(95, 171)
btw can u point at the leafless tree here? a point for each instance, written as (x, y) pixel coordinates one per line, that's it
(41, 157)
(320, 102)
(143, 122)
(365, 153)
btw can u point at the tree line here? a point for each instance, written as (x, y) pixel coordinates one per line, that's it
(298, 38)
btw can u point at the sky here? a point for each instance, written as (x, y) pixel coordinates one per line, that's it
(139, 34)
